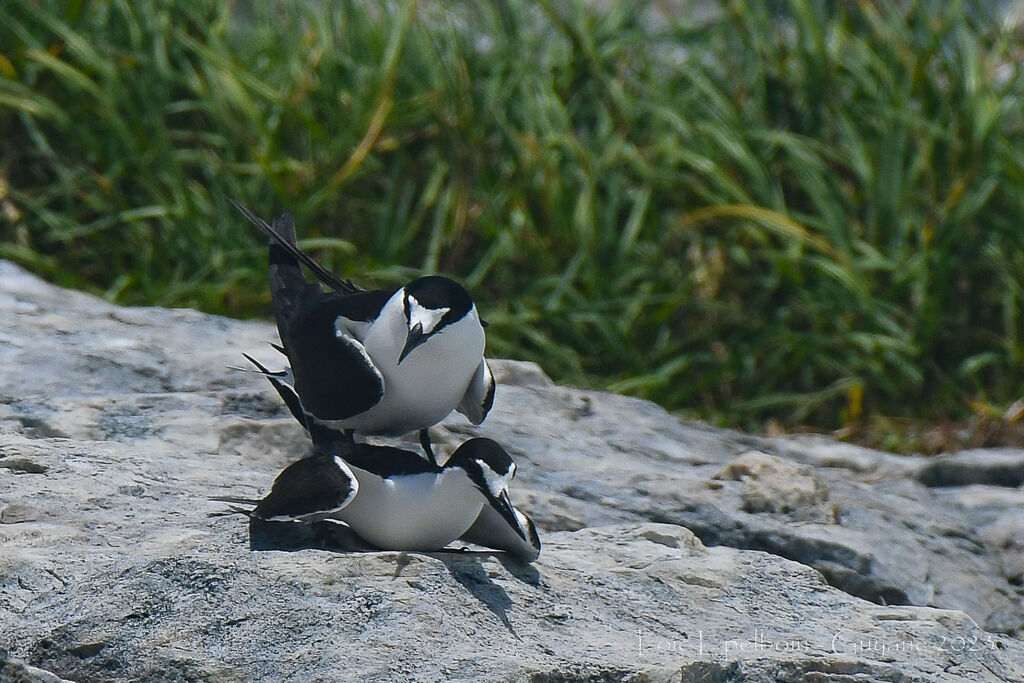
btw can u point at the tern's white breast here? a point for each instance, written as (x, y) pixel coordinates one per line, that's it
(430, 382)
(413, 512)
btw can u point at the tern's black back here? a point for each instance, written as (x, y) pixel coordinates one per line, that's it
(388, 461)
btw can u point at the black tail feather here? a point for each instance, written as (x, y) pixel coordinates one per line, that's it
(286, 392)
(324, 437)
(285, 242)
(288, 286)
(234, 509)
(260, 368)
(235, 499)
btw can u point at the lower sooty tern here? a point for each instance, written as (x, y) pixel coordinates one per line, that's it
(396, 500)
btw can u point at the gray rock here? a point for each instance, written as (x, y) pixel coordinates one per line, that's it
(13, 671)
(672, 551)
(776, 486)
(992, 466)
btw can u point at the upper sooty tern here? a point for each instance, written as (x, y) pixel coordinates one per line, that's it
(378, 362)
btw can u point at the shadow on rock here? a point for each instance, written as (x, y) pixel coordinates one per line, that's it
(338, 537)
(524, 571)
(291, 536)
(464, 565)
(465, 568)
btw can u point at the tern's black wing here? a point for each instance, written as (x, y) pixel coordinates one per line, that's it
(364, 306)
(335, 378)
(323, 436)
(288, 286)
(309, 489)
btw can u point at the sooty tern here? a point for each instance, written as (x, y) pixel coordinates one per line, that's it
(378, 361)
(396, 500)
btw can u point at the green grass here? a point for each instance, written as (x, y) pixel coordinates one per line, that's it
(797, 211)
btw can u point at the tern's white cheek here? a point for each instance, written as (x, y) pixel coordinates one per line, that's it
(426, 318)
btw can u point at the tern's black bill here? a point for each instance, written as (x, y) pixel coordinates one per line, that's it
(412, 340)
(504, 507)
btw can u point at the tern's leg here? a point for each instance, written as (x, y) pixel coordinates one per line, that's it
(350, 440)
(425, 443)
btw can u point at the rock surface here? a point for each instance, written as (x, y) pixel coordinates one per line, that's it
(672, 551)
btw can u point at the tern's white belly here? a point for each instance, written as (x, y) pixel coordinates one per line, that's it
(412, 512)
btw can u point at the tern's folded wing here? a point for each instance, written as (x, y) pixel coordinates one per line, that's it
(492, 529)
(479, 395)
(335, 378)
(309, 490)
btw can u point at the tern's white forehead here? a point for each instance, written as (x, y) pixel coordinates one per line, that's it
(496, 483)
(426, 318)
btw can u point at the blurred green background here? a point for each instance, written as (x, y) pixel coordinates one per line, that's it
(768, 215)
